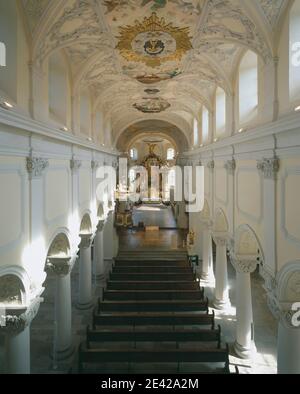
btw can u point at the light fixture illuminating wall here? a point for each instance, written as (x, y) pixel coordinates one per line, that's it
(6, 105)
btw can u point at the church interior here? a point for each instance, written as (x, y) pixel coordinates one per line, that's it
(94, 281)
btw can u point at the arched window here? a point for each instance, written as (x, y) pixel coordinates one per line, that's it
(170, 154)
(171, 178)
(9, 47)
(196, 132)
(2, 54)
(295, 51)
(98, 127)
(132, 175)
(248, 88)
(58, 88)
(133, 154)
(205, 125)
(220, 112)
(85, 113)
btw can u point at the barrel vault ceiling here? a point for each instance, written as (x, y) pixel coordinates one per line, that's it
(152, 59)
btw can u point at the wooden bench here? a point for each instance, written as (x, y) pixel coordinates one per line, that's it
(144, 295)
(144, 285)
(146, 335)
(178, 356)
(153, 277)
(153, 306)
(153, 319)
(151, 263)
(149, 270)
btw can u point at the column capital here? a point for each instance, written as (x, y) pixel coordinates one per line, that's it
(230, 166)
(14, 319)
(75, 165)
(95, 165)
(86, 240)
(100, 225)
(269, 167)
(283, 312)
(220, 238)
(211, 165)
(36, 166)
(243, 265)
(60, 266)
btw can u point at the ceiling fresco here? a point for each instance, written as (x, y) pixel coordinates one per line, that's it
(153, 105)
(152, 59)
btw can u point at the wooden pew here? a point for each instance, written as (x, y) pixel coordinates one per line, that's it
(148, 335)
(148, 270)
(153, 306)
(151, 263)
(144, 295)
(153, 319)
(153, 277)
(143, 285)
(178, 356)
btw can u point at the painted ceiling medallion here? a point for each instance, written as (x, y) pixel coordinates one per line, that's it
(152, 91)
(152, 105)
(154, 41)
(150, 79)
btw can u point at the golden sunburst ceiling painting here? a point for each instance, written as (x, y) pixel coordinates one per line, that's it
(154, 41)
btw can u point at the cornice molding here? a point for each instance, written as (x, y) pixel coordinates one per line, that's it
(35, 128)
(286, 123)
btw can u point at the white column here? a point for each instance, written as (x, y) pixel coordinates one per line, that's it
(221, 289)
(63, 316)
(99, 267)
(244, 345)
(269, 169)
(288, 349)
(85, 274)
(17, 349)
(16, 328)
(207, 263)
(63, 341)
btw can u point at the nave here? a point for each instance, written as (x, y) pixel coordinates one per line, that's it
(42, 328)
(93, 94)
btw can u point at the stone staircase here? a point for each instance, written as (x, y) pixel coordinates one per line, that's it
(152, 255)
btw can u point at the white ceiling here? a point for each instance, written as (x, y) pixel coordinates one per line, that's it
(195, 47)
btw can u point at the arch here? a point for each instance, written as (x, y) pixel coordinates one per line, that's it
(294, 50)
(60, 247)
(288, 283)
(9, 36)
(205, 213)
(248, 87)
(2, 54)
(15, 286)
(170, 154)
(247, 245)
(86, 225)
(205, 125)
(221, 222)
(167, 130)
(101, 212)
(85, 112)
(59, 88)
(220, 108)
(195, 132)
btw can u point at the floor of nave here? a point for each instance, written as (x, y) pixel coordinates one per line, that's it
(154, 215)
